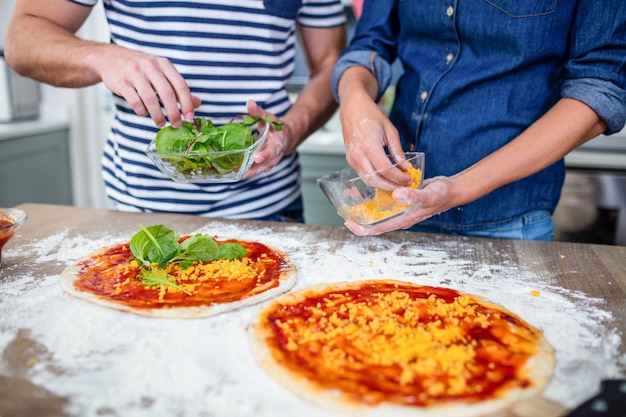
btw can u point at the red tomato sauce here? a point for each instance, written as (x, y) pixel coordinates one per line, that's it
(101, 276)
(489, 370)
(6, 232)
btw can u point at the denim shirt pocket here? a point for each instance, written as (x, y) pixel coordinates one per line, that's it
(524, 8)
(287, 9)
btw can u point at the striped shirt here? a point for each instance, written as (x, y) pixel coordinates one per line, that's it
(228, 52)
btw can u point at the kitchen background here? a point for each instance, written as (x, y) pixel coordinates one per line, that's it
(53, 155)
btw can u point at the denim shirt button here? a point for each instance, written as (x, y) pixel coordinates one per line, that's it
(449, 58)
(450, 11)
(424, 95)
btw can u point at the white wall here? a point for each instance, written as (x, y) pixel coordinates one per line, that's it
(91, 111)
(6, 10)
(88, 111)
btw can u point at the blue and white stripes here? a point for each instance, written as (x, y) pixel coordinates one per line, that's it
(229, 52)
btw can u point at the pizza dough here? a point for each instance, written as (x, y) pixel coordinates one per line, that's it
(383, 347)
(108, 278)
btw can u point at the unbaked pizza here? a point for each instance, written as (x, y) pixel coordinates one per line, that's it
(386, 347)
(161, 274)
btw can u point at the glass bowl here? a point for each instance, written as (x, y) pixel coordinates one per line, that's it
(199, 167)
(11, 219)
(355, 199)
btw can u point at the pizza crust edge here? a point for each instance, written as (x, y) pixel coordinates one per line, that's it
(538, 368)
(287, 279)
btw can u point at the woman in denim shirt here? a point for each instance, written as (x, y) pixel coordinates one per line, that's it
(495, 92)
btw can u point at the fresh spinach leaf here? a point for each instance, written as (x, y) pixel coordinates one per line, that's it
(231, 251)
(175, 139)
(233, 136)
(156, 278)
(157, 246)
(198, 144)
(199, 248)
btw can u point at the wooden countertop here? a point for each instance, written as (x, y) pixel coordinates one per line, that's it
(62, 356)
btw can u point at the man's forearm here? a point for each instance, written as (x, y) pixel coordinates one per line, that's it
(41, 50)
(314, 106)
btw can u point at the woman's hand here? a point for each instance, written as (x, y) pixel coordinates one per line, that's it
(367, 132)
(435, 197)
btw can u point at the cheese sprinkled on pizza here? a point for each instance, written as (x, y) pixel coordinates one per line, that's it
(389, 342)
(113, 275)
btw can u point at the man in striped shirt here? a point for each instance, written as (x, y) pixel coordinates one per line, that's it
(169, 61)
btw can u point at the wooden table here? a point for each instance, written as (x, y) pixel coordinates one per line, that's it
(63, 356)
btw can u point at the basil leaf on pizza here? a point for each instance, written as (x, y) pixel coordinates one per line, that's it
(161, 274)
(154, 244)
(231, 251)
(155, 277)
(385, 347)
(201, 248)
(160, 245)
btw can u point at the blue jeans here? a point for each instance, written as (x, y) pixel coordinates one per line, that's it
(534, 225)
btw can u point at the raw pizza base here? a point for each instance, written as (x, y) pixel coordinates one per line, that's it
(287, 279)
(538, 369)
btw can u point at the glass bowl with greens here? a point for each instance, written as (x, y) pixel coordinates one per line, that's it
(200, 152)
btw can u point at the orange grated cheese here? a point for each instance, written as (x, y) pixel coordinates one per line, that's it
(236, 269)
(383, 205)
(193, 276)
(388, 332)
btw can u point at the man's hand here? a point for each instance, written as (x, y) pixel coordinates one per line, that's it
(146, 82)
(275, 147)
(41, 45)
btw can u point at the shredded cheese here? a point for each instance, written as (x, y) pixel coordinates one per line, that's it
(192, 276)
(383, 205)
(220, 269)
(426, 339)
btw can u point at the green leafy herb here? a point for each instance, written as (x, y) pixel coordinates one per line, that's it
(231, 251)
(156, 278)
(199, 248)
(157, 246)
(193, 140)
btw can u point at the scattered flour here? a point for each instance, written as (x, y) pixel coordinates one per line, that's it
(118, 364)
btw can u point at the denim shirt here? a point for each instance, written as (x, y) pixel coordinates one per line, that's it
(479, 72)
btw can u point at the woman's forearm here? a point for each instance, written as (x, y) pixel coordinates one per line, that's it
(569, 124)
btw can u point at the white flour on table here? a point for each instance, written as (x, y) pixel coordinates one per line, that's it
(204, 367)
